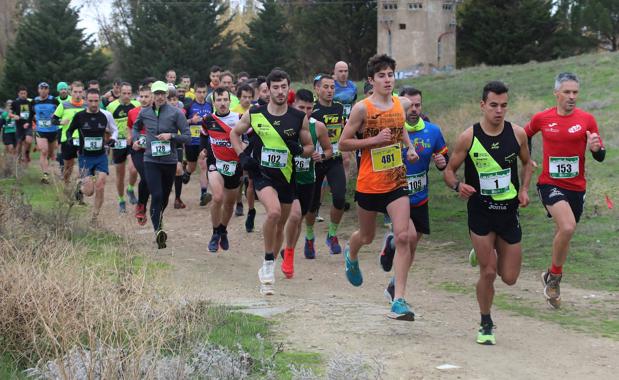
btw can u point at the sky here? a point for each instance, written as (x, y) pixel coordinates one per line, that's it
(88, 13)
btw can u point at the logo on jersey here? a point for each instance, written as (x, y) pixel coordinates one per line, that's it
(289, 132)
(511, 158)
(421, 144)
(575, 128)
(552, 125)
(495, 145)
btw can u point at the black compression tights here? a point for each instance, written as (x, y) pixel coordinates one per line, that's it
(160, 178)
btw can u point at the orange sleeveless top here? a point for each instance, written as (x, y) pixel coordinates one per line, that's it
(381, 169)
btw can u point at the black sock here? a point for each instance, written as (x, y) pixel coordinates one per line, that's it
(178, 186)
(252, 211)
(215, 230)
(269, 256)
(486, 319)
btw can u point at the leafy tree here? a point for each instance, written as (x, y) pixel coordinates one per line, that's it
(506, 32)
(149, 37)
(49, 46)
(269, 43)
(599, 19)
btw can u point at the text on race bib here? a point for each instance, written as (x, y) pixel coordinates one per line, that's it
(416, 182)
(386, 158)
(24, 115)
(195, 130)
(563, 167)
(76, 142)
(44, 123)
(142, 141)
(93, 143)
(302, 164)
(227, 168)
(495, 183)
(274, 158)
(160, 148)
(120, 144)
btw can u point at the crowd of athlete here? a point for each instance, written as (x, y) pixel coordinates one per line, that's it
(286, 148)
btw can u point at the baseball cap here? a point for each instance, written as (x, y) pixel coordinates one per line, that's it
(159, 86)
(62, 86)
(43, 84)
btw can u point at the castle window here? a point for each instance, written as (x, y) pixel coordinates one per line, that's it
(448, 6)
(415, 6)
(390, 6)
(402, 26)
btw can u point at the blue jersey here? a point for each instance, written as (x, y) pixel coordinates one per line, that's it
(44, 111)
(202, 110)
(427, 140)
(345, 95)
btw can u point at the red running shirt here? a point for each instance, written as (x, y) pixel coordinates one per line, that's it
(132, 116)
(564, 146)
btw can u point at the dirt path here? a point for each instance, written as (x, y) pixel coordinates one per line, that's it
(319, 311)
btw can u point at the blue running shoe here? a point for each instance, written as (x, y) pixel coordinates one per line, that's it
(309, 250)
(400, 311)
(213, 245)
(334, 245)
(223, 241)
(353, 273)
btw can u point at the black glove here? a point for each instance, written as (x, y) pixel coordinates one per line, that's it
(294, 147)
(248, 162)
(111, 143)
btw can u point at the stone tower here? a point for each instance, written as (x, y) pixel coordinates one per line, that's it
(419, 34)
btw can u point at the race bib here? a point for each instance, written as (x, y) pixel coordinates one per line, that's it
(563, 167)
(302, 164)
(386, 158)
(195, 130)
(93, 143)
(347, 108)
(274, 158)
(120, 144)
(495, 183)
(142, 141)
(76, 142)
(45, 123)
(416, 182)
(227, 168)
(24, 115)
(333, 145)
(160, 148)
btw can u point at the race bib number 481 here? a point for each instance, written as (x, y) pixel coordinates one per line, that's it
(386, 158)
(563, 167)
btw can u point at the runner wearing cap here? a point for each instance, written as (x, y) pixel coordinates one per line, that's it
(166, 129)
(47, 131)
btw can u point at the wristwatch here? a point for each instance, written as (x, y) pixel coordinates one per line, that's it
(456, 186)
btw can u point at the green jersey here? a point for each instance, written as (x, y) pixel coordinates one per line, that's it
(304, 166)
(66, 111)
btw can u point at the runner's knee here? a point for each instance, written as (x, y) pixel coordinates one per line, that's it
(338, 202)
(487, 274)
(567, 228)
(509, 279)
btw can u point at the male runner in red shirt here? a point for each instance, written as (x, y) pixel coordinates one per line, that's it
(567, 132)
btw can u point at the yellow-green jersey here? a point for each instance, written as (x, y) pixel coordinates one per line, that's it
(66, 111)
(120, 113)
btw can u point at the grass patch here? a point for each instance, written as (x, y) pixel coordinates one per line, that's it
(8, 369)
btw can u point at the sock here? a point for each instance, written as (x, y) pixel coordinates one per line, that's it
(222, 229)
(239, 203)
(178, 186)
(215, 230)
(129, 188)
(486, 319)
(556, 269)
(202, 190)
(309, 232)
(252, 211)
(121, 198)
(332, 229)
(288, 252)
(269, 256)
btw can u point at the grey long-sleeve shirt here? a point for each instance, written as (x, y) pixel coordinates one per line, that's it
(167, 120)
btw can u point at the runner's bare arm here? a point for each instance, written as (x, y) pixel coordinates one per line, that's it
(459, 155)
(526, 172)
(239, 129)
(323, 139)
(305, 138)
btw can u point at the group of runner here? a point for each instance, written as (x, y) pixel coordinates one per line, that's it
(282, 145)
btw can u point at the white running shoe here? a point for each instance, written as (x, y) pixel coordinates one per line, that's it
(267, 290)
(266, 273)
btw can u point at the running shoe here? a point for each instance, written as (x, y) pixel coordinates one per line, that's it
(249, 222)
(353, 273)
(266, 273)
(122, 207)
(185, 177)
(267, 289)
(140, 214)
(238, 211)
(386, 221)
(213, 245)
(485, 335)
(223, 242)
(287, 263)
(161, 237)
(205, 198)
(309, 250)
(552, 290)
(334, 245)
(131, 195)
(388, 253)
(319, 218)
(473, 258)
(401, 311)
(79, 196)
(45, 179)
(346, 206)
(178, 204)
(390, 290)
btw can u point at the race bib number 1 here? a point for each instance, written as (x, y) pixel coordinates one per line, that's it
(495, 183)
(416, 182)
(160, 148)
(93, 143)
(227, 168)
(563, 167)
(274, 158)
(386, 158)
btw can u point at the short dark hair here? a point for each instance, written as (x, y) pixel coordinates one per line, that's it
(22, 88)
(123, 84)
(148, 81)
(496, 87)
(410, 91)
(277, 75)
(214, 69)
(200, 84)
(226, 74)
(244, 88)
(318, 78)
(170, 70)
(260, 79)
(117, 82)
(185, 76)
(220, 91)
(304, 95)
(144, 87)
(379, 62)
(92, 91)
(93, 82)
(242, 74)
